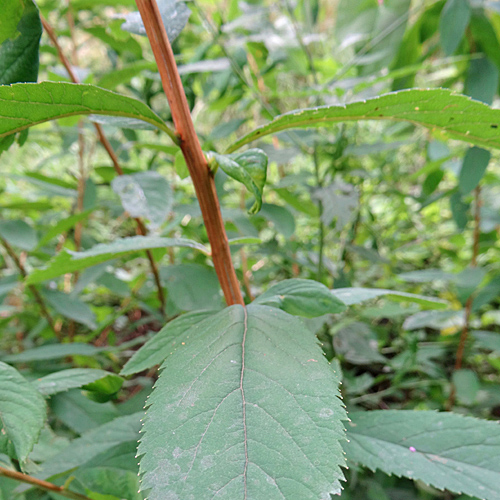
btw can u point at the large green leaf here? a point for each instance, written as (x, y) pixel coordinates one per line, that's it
(454, 19)
(53, 351)
(22, 411)
(19, 52)
(24, 105)
(437, 109)
(351, 296)
(300, 297)
(18, 234)
(69, 262)
(473, 168)
(247, 408)
(74, 377)
(156, 350)
(71, 307)
(12, 13)
(445, 450)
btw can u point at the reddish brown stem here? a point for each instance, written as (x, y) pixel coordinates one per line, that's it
(468, 305)
(43, 485)
(34, 291)
(112, 155)
(196, 162)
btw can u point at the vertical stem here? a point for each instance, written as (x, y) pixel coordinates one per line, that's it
(468, 305)
(321, 232)
(244, 261)
(196, 162)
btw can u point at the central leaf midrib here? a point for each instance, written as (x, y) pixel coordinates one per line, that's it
(243, 400)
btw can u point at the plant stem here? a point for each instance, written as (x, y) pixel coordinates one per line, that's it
(32, 288)
(321, 233)
(195, 159)
(114, 159)
(468, 305)
(43, 485)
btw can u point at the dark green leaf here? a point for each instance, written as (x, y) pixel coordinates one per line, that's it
(456, 115)
(68, 262)
(220, 417)
(453, 23)
(444, 450)
(18, 234)
(157, 349)
(24, 105)
(473, 168)
(22, 411)
(71, 307)
(281, 218)
(300, 297)
(19, 52)
(482, 80)
(249, 168)
(74, 377)
(12, 13)
(52, 351)
(62, 226)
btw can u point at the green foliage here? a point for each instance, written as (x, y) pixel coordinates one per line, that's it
(22, 412)
(439, 449)
(236, 373)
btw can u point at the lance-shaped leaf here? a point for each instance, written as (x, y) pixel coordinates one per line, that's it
(22, 411)
(69, 262)
(437, 109)
(24, 105)
(351, 296)
(174, 15)
(447, 451)
(249, 168)
(299, 297)
(88, 378)
(246, 407)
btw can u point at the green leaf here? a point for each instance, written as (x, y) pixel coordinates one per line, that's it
(482, 80)
(339, 200)
(22, 411)
(299, 297)
(456, 115)
(174, 14)
(351, 296)
(145, 194)
(11, 15)
(93, 443)
(53, 351)
(75, 377)
(246, 407)
(487, 340)
(459, 210)
(157, 349)
(467, 386)
(19, 53)
(69, 262)
(71, 307)
(24, 105)
(281, 218)
(244, 240)
(473, 168)
(18, 234)
(444, 450)
(192, 287)
(62, 226)
(249, 168)
(454, 20)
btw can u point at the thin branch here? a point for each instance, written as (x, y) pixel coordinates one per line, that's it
(196, 162)
(32, 288)
(468, 305)
(112, 155)
(43, 485)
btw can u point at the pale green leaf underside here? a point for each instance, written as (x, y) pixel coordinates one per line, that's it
(447, 451)
(69, 262)
(437, 109)
(70, 379)
(351, 296)
(24, 105)
(22, 410)
(157, 349)
(247, 408)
